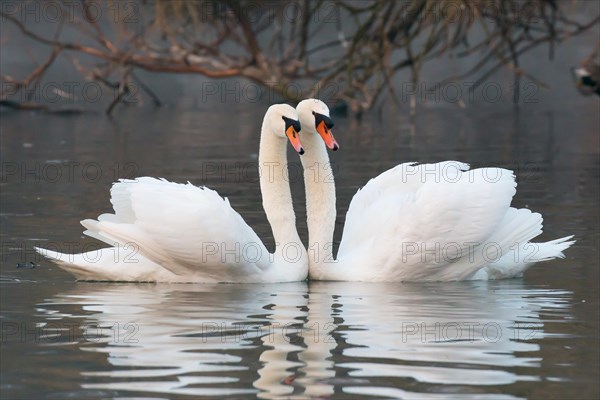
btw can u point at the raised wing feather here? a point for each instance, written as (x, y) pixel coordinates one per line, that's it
(186, 229)
(421, 222)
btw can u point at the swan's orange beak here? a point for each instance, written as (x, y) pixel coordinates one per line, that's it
(292, 127)
(294, 138)
(327, 136)
(323, 125)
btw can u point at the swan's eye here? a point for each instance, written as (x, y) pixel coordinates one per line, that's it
(292, 122)
(323, 118)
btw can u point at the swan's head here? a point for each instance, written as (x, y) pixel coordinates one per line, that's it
(314, 117)
(283, 120)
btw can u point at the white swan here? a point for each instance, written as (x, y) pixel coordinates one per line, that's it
(169, 232)
(429, 222)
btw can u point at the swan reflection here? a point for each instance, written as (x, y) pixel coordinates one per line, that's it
(299, 340)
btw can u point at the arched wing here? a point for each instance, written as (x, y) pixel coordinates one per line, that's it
(184, 228)
(417, 222)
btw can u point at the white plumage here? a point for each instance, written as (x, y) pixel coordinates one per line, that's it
(434, 222)
(171, 232)
(420, 222)
(427, 222)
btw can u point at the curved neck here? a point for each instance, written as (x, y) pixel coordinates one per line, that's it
(276, 194)
(320, 200)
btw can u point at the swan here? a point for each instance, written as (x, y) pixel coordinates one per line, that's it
(417, 222)
(169, 232)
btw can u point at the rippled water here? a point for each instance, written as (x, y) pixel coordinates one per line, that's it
(311, 340)
(534, 337)
(526, 338)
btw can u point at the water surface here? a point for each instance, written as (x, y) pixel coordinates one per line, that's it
(526, 338)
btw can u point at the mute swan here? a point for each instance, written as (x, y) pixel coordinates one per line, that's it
(428, 222)
(169, 232)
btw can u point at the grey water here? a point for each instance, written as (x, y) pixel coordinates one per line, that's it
(533, 337)
(523, 338)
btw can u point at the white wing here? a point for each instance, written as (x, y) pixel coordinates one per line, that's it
(423, 222)
(188, 230)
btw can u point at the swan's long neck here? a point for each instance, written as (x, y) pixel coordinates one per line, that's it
(320, 201)
(276, 194)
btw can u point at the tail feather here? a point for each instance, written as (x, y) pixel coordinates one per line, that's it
(76, 264)
(519, 259)
(552, 249)
(109, 264)
(521, 226)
